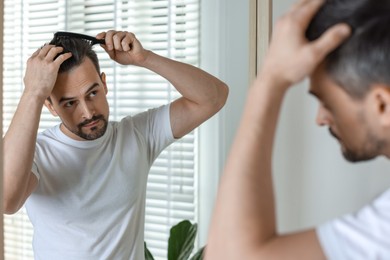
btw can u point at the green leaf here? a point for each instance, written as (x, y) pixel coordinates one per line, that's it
(181, 240)
(148, 254)
(199, 254)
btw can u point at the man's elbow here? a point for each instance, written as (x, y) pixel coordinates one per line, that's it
(10, 206)
(12, 201)
(223, 93)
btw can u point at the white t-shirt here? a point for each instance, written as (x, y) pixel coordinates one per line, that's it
(90, 199)
(364, 235)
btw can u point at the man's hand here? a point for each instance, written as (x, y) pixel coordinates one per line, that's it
(291, 57)
(123, 47)
(42, 70)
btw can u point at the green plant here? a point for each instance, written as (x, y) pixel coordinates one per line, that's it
(181, 243)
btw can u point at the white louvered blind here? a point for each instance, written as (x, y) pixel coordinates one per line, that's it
(167, 27)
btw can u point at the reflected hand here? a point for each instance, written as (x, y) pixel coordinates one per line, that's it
(123, 47)
(291, 57)
(42, 70)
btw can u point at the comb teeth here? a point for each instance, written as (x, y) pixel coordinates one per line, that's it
(90, 39)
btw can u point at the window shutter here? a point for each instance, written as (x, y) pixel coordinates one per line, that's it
(27, 24)
(169, 28)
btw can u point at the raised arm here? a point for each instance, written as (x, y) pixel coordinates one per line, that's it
(19, 141)
(202, 94)
(244, 222)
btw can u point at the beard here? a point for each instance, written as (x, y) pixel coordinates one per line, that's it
(95, 132)
(369, 150)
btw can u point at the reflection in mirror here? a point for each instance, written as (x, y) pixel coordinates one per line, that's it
(168, 28)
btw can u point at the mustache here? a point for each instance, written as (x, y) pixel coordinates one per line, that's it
(94, 118)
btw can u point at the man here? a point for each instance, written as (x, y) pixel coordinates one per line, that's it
(348, 61)
(84, 181)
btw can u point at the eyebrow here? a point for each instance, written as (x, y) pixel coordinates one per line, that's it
(63, 99)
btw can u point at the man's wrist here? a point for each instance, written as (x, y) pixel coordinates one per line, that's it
(34, 95)
(273, 79)
(146, 60)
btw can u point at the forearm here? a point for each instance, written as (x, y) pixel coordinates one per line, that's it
(192, 83)
(19, 141)
(245, 204)
(19, 148)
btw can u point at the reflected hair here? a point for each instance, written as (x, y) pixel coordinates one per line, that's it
(364, 58)
(80, 49)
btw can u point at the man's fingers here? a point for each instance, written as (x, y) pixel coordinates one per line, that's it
(61, 58)
(101, 35)
(305, 11)
(118, 37)
(53, 52)
(298, 4)
(47, 52)
(44, 50)
(330, 40)
(127, 42)
(36, 52)
(109, 40)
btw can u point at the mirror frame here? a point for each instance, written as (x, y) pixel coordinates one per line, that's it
(260, 33)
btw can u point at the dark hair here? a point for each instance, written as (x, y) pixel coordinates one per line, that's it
(79, 48)
(364, 58)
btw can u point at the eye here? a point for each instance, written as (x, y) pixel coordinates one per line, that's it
(93, 93)
(69, 104)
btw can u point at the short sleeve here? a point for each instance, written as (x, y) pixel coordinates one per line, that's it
(155, 125)
(34, 170)
(363, 235)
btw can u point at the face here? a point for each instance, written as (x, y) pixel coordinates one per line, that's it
(79, 99)
(351, 121)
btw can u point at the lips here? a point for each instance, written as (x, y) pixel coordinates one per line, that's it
(92, 124)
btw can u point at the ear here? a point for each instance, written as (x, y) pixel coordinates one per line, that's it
(381, 103)
(103, 78)
(49, 106)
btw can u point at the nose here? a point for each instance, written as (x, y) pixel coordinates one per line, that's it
(87, 109)
(323, 116)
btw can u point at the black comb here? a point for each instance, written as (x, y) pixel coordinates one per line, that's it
(90, 39)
